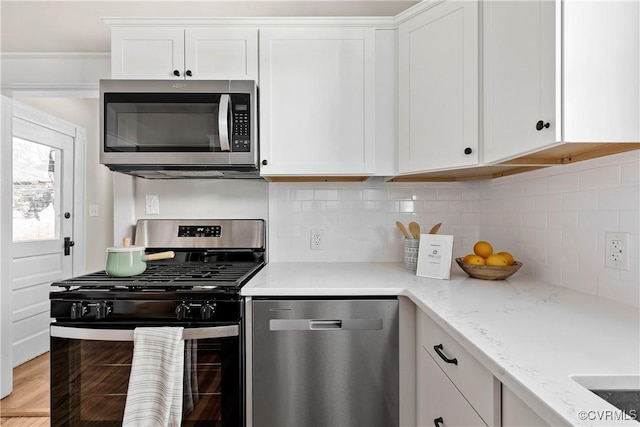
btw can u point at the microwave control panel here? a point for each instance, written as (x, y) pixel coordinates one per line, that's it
(241, 132)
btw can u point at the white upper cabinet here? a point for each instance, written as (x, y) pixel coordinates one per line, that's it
(559, 72)
(177, 53)
(317, 104)
(438, 88)
(519, 77)
(600, 71)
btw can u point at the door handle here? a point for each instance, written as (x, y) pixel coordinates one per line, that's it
(68, 243)
(223, 122)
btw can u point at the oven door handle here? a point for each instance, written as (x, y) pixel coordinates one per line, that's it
(127, 334)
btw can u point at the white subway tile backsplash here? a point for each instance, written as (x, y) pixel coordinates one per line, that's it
(325, 194)
(598, 220)
(374, 194)
(552, 219)
(630, 173)
(536, 186)
(562, 183)
(425, 194)
(350, 194)
(580, 200)
(620, 198)
(603, 177)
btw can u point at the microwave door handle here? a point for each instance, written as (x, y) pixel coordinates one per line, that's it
(223, 123)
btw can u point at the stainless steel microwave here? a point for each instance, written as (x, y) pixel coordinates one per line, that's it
(189, 129)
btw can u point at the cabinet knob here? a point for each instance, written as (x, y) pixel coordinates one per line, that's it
(176, 73)
(541, 125)
(188, 73)
(265, 163)
(468, 151)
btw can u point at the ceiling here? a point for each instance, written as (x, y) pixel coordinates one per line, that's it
(76, 26)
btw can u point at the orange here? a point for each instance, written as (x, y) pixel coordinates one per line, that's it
(507, 256)
(474, 260)
(496, 260)
(466, 258)
(482, 248)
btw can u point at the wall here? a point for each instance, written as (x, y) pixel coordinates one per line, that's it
(553, 220)
(203, 198)
(84, 112)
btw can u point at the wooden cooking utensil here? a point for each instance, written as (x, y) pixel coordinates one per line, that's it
(402, 229)
(435, 228)
(414, 228)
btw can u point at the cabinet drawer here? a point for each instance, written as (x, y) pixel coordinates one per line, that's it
(440, 403)
(475, 382)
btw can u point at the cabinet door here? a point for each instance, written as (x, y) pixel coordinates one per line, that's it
(438, 401)
(221, 53)
(602, 104)
(516, 413)
(147, 53)
(317, 101)
(438, 88)
(519, 77)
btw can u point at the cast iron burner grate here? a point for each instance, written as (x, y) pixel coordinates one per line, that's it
(170, 276)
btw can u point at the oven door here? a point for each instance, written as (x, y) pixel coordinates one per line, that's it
(90, 368)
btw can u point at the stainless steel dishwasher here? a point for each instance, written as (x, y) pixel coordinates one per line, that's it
(329, 362)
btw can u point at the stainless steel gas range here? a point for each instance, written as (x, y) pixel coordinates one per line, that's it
(199, 290)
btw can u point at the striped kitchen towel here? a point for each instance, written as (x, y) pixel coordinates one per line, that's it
(154, 397)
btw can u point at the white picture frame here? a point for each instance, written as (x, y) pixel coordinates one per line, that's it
(434, 256)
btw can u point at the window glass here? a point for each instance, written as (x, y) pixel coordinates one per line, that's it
(36, 190)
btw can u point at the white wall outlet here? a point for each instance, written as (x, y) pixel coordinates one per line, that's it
(93, 210)
(317, 238)
(616, 251)
(152, 204)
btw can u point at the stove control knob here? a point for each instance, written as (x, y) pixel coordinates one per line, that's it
(103, 309)
(78, 310)
(207, 310)
(182, 310)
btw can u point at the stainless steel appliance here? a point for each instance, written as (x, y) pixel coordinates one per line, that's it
(189, 129)
(325, 363)
(95, 316)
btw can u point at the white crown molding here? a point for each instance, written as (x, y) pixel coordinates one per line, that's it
(54, 55)
(382, 22)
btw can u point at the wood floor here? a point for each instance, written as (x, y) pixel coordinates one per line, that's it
(28, 404)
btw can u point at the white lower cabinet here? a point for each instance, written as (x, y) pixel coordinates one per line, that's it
(516, 413)
(440, 403)
(451, 383)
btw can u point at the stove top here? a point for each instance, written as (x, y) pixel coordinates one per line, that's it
(167, 276)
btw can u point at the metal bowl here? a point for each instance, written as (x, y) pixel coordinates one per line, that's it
(487, 272)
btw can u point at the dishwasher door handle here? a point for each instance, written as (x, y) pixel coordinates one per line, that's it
(324, 324)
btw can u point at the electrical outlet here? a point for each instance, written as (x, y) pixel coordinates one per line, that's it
(152, 205)
(317, 239)
(617, 251)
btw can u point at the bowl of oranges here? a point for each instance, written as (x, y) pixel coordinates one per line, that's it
(483, 263)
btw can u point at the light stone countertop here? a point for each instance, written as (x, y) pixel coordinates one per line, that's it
(530, 335)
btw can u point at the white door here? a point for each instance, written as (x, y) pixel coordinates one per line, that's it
(42, 223)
